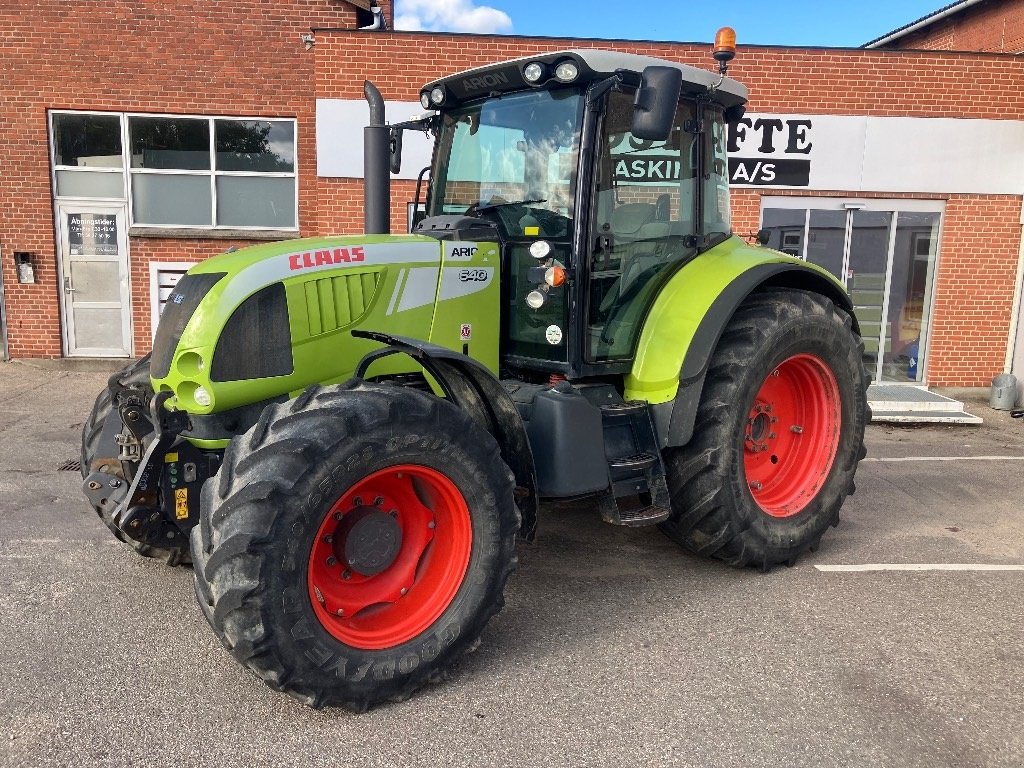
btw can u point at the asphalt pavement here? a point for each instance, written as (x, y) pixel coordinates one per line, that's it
(615, 648)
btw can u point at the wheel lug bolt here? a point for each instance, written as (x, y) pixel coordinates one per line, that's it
(379, 501)
(341, 611)
(775, 420)
(331, 560)
(771, 436)
(357, 501)
(328, 539)
(393, 513)
(405, 591)
(337, 515)
(346, 574)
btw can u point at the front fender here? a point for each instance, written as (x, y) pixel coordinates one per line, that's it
(687, 319)
(471, 386)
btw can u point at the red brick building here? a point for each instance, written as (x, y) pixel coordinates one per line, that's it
(134, 126)
(987, 26)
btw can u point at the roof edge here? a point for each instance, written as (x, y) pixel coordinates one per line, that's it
(922, 23)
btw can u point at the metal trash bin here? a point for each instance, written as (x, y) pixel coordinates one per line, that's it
(1004, 392)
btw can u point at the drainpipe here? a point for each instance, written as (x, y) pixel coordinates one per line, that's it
(376, 166)
(3, 321)
(378, 20)
(1014, 362)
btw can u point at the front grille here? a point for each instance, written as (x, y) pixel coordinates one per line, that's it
(180, 306)
(257, 340)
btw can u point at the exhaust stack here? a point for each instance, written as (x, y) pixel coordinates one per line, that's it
(376, 166)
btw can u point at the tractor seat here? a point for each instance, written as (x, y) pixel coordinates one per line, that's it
(627, 220)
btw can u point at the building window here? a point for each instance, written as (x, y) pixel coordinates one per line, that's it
(183, 171)
(88, 156)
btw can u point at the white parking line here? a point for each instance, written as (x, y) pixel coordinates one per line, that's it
(945, 458)
(920, 567)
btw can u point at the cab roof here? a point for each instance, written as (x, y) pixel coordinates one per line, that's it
(594, 64)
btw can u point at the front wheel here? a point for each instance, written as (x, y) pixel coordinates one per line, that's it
(355, 543)
(778, 435)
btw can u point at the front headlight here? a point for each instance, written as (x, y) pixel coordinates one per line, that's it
(202, 397)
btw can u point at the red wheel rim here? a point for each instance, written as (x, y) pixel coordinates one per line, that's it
(792, 435)
(424, 555)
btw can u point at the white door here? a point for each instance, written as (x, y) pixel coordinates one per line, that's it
(94, 280)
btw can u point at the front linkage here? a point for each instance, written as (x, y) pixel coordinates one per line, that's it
(142, 477)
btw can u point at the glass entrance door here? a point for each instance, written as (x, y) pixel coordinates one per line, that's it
(884, 252)
(94, 280)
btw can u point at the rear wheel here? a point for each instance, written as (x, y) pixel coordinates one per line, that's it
(355, 543)
(778, 435)
(95, 456)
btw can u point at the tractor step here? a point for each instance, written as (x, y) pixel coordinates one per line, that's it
(635, 517)
(641, 461)
(639, 494)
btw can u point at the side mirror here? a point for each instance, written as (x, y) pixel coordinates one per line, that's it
(763, 236)
(655, 105)
(396, 150)
(735, 113)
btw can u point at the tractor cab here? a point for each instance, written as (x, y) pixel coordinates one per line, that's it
(599, 174)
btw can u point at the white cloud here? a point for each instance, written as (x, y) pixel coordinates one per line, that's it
(450, 16)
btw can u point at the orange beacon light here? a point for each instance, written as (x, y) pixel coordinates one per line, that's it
(725, 47)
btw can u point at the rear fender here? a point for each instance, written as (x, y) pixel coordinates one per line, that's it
(472, 387)
(683, 328)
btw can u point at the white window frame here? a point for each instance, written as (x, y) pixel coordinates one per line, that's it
(54, 167)
(212, 173)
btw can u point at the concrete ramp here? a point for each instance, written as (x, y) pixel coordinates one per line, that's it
(899, 403)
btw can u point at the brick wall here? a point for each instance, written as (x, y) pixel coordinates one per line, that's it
(245, 58)
(995, 26)
(974, 288)
(242, 57)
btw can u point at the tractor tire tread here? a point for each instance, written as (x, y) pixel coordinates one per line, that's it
(240, 526)
(698, 478)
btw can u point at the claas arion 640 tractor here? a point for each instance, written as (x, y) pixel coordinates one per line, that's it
(345, 435)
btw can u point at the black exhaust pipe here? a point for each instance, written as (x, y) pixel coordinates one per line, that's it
(376, 166)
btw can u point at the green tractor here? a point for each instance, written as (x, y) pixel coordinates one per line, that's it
(346, 435)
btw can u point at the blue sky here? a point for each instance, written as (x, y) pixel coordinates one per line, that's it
(768, 22)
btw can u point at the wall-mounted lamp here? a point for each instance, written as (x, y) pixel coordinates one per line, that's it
(26, 270)
(307, 40)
